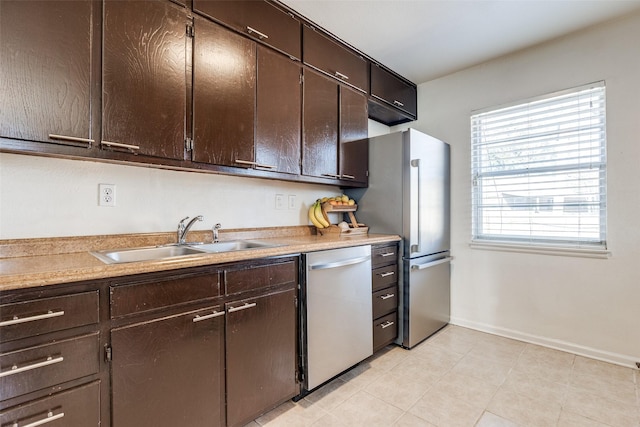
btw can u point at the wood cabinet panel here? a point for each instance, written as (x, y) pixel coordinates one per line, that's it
(251, 276)
(354, 149)
(45, 88)
(49, 364)
(320, 126)
(392, 90)
(334, 59)
(41, 316)
(76, 407)
(278, 112)
(261, 354)
(224, 94)
(259, 19)
(144, 77)
(169, 371)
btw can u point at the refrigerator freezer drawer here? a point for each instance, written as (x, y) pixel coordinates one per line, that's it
(426, 300)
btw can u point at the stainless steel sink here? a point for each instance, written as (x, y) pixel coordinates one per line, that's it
(158, 253)
(233, 245)
(152, 253)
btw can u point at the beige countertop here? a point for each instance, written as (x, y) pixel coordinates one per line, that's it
(40, 262)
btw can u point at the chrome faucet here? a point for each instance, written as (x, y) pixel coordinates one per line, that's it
(184, 229)
(215, 232)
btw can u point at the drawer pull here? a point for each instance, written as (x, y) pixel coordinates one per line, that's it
(256, 164)
(50, 418)
(386, 254)
(215, 314)
(387, 296)
(387, 274)
(72, 139)
(345, 176)
(15, 370)
(120, 145)
(398, 103)
(331, 175)
(256, 32)
(386, 324)
(342, 76)
(242, 307)
(16, 320)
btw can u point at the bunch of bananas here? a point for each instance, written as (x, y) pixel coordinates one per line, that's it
(316, 216)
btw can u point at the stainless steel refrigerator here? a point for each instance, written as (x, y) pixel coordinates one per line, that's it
(408, 194)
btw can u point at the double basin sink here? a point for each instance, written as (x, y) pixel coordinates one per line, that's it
(158, 253)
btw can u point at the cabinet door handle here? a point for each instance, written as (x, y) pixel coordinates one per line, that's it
(199, 318)
(256, 164)
(15, 370)
(386, 324)
(72, 139)
(16, 320)
(398, 103)
(50, 418)
(387, 274)
(341, 76)
(345, 176)
(387, 296)
(331, 175)
(386, 254)
(242, 307)
(256, 32)
(120, 145)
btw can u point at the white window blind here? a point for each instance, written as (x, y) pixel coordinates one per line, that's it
(539, 171)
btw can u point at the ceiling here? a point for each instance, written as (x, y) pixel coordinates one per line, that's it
(426, 39)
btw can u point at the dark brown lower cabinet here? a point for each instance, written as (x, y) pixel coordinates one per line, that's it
(78, 407)
(169, 371)
(261, 354)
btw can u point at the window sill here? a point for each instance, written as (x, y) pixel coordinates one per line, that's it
(541, 250)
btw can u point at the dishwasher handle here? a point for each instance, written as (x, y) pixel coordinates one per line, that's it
(341, 263)
(431, 264)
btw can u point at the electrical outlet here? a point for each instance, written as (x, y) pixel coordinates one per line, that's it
(279, 201)
(106, 194)
(292, 201)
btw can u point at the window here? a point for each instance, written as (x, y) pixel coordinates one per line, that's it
(539, 171)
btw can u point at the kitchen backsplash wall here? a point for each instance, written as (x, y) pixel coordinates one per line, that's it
(48, 197)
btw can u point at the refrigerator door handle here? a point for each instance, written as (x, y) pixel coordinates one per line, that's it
(416, 247)
(431, 264)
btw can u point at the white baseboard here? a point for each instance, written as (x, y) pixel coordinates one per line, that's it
(593, 353)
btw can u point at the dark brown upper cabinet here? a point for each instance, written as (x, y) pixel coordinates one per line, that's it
(333, 59)
(224, 96)
(394, 100)
(45, 69)
(278, 112)
(144, 78)
(259, 19)
(354, 149)
(333, 116)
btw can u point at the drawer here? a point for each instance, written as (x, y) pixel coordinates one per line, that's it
(35, 368)
(385, 330)
(384, 277)
(79, 406)
(252, 276)
(41, 316)
(384, 255)
(385, 301)
(148, 295)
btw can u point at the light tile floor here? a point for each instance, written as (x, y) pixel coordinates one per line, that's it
(461, 377)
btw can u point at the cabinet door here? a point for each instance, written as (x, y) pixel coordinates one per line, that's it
(259, 19)
(333, 59)
(392, 90)
(354, 149)
(224, 95)
(278, 112)
(169, 371)
(261, 355)
(45, 64)
(320, 127)
(144, 78)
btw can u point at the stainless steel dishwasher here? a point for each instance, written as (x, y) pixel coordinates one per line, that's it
(336, 318)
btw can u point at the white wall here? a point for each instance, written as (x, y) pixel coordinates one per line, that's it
(590, 306)
(48, 197)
